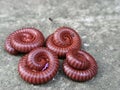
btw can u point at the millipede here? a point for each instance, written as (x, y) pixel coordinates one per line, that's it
(24, 40)
(39, 66)
(79, 65)
(62, 40)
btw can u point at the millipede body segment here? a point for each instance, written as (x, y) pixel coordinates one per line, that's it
(62, 40)
(79, 65)
(39, 66)
(24, 40)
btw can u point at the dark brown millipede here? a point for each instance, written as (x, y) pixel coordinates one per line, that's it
(24, 40)
(80, 65)
(39, 66)
(62, 40)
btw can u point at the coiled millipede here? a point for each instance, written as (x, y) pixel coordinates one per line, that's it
(39, 66)
(62, 40)
(79, 65)
(24, 40)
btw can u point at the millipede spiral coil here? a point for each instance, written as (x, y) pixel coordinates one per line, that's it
(24, 40)
(39, 66)
(62, 40)
(79, 65)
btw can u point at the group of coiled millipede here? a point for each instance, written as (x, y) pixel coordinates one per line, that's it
(40, 64)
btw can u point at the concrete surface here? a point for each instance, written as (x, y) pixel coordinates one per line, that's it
(98, 23)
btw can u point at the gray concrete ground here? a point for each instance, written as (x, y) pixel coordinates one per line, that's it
(96, 21)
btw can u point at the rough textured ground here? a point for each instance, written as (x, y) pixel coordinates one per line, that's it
(98, 23)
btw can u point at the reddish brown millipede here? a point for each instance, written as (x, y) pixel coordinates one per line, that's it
(24, 40)
(79, 65)
(62, 40)
(39, 66)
